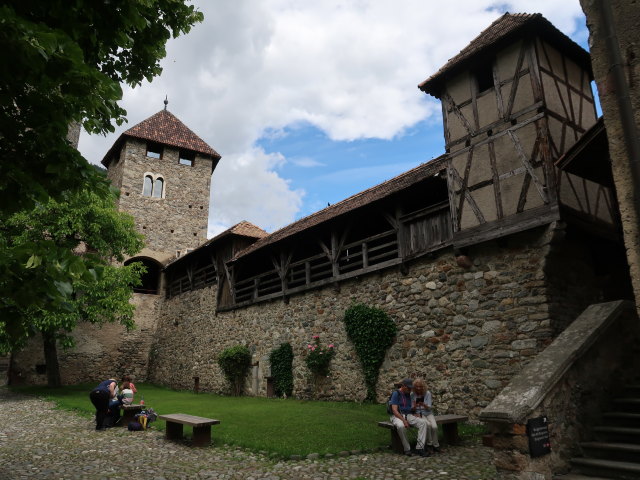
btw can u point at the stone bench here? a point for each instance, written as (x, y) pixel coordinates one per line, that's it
(201, 427)
(449, 429)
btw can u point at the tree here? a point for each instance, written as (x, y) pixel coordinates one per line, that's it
(96, 291)
(63, 63)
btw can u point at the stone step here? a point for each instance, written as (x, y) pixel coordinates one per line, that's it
(627, 404)
(621, 419)
(577, 476)
(625, 434)
(612, 450)
(607, 468)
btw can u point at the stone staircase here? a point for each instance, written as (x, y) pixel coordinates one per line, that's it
(615, 452)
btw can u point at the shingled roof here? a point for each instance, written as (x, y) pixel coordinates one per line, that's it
(497, 35)
(242, 229)
(358, 200)
(164, 127)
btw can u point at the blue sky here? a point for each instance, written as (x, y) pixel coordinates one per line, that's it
(312, 102)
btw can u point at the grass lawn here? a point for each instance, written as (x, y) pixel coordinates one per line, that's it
(282, 427)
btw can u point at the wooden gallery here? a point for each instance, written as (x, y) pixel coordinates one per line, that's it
(488, 257)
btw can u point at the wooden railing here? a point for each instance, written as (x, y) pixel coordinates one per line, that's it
(192, 279)
(420, 232)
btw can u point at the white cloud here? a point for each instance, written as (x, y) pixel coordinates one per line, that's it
(306, 162)
(348, 67)
(256, 194)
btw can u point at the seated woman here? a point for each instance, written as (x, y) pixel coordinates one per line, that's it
(127, 393)
(422, 402)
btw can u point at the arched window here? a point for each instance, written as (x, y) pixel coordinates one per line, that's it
(147, 186)
(157, 187)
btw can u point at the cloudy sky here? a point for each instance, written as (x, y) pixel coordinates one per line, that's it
(311, 102)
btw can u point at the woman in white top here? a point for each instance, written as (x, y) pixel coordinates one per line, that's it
(422, 403)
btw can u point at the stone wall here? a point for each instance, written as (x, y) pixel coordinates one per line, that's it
(571, 384)
(467, 331)
(107, 352)
(613, 99)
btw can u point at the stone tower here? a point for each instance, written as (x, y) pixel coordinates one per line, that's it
(163, 172)
(513, 102)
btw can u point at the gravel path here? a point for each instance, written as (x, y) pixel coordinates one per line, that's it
(38, 442)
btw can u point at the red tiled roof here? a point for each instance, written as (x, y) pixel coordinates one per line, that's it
(499, 32)
(165, 128)
(242, 229)
(358, 200)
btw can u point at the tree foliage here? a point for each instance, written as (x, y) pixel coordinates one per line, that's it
(235, 362)
(63, 63)
(372, 332)
(86, 232)
(281, 360)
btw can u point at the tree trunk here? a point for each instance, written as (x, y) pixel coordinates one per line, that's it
(51, 359)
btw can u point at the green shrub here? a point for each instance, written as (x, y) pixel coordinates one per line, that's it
(281, 360)
(372, 332)
(318, 358)
(235, 363)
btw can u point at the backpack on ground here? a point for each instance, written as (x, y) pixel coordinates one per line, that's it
(134, 426)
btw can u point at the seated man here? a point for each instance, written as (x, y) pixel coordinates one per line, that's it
(402, 418)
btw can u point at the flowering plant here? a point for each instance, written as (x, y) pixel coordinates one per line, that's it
(318, 357)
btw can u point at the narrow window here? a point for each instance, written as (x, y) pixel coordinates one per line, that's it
(154, 150)
(147, 186)
(157, 188)
(484, 76)
(186, 158)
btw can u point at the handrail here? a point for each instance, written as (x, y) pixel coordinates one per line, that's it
(529, 387)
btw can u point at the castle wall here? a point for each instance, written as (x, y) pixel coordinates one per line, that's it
(466, 331)
(100, 353)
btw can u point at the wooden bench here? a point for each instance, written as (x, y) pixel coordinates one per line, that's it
(449, 429)
(201, 427)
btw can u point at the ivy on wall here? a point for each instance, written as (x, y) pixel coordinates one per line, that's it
(281, 360)
(372, 332)
(235, 363)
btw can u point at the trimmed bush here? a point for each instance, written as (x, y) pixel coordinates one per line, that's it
(235, 363)
(281, 360)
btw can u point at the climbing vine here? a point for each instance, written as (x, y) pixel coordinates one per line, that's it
(372, 332)
(235, 363)
(281, 360)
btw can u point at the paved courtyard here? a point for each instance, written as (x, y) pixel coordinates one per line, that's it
(38, 442)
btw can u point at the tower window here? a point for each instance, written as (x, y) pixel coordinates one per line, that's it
(153, 186)
(154, 150)
(484, 76)
(186, 158)
(147, 187)
(158, 185)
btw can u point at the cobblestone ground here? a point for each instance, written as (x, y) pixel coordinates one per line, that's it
(39, 442)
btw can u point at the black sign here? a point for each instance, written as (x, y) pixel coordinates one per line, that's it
(538, 433)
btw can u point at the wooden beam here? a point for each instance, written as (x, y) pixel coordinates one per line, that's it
(527, 165)
(516, 81)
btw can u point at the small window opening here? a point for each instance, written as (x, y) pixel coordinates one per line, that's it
(147, 188)
(157, 188)
(186, 158)
(154, 150)
(484, 77)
